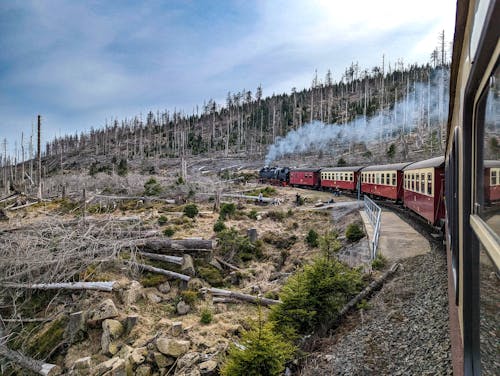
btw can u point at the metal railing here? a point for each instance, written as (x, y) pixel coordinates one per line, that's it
(374, 215)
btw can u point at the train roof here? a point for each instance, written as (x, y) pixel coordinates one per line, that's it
(387, 167)
(305, 170)
(433, 162)
(340, 169)
(491, 163)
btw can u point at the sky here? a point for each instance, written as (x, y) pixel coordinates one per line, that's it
(80, 63)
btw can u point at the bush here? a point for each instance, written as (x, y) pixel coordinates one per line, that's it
(252, 214)
(312, 239)
(236, 247)
(281, 242)
(189, 296)
(329, 244)
(152, 280)
(276, 215)
(206, 316)
(313, 296)
(191, 210)
(162, 220)
(263, 353)
(379, 262)
(219, 226)
(169, 231)
(354, 232)
(152, 187)
(211, 275)
(122, 168)
(227, 210)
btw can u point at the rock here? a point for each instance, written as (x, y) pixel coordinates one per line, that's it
(216, 264)
(130, 323)
(161, 360)
(125, 352)
(119, 368)
(143, 370)
(138, 356)
(208, 368)
(111, 329)
(172, 347)
(183, 308)
(188, 360)
(82, 363)
(164, 288)
(152, 297)
(195, 284)
(77, 327)
(187, 266)
(259, 217)
(132, 293)
(103, 367)
(176, 328)
(105, 310)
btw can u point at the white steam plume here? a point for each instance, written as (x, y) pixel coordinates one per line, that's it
(425, 104)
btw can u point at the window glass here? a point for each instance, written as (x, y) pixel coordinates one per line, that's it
(417, 183)
(382, 178)
(429, 183)
(422, 183)
(412, 182)
(394, 179)
(493, 180)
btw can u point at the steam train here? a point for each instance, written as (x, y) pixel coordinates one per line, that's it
(461, 189)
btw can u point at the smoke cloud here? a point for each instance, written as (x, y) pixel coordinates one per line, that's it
(424, 104)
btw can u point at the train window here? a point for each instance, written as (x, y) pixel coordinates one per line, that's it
(422, 184)
(394, 179)
(417, 183)
(429, 184)
(382, 178)
(412, 182)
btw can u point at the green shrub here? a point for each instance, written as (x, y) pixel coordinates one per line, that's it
(379, 262)
(236, 247)
(152, 187)
(169, 231)
(152, 280)
(191, 210)
(329, 244)
(227, 210)
(266, 192)
(313, 296)
(312, 238)
(219, 226)
(252, 214)
(206, 316)
(162, 220)
(263, 353)
(122, 168)
(276, 215)
(354, 232)
(189, 296)
(211, 275)
(281, 242)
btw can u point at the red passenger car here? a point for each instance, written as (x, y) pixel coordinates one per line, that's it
(305, 177)
(424, 189)
(345, 178)
(384, 180)
(491, 181)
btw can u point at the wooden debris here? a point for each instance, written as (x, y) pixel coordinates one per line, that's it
(240, 296)
(161, 244)
(98, 286)
(34, 365)
(168, 273)
(167, 258)
(225, 263)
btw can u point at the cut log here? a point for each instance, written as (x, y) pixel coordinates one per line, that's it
(168, 273)
(8, 198)
(167, 258)
(375, 285)
(240, 296)
(27, 320)
(216, 300)
(161, 244)
(99, 286)
(34, 365)
(23, 206)
(118, 198)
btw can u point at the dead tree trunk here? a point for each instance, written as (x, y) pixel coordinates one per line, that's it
(168, 273)
(34, 365)
(240, 296)
(98, 286)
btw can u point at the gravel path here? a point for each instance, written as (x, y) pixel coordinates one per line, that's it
(403, 332)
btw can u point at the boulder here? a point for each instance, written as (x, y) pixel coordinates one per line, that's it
(143, 370)
(111, 329)
(82, 363)
(208, 368)
(132, 293)
(105, 310)
(195, 284)
(138, 356)
(172, 347)
(188, 360)
(152, 297)
(77, 327)
(130, 323)
(119, 368)
(183, 308)
(164, 288)
(103, 367)
(161, 360)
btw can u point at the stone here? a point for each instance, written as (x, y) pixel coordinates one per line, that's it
(119, 368)
(111, 329)
(164, 288)
(208, 368)
(216, 264)
(138, 356)
(105, 310)
(176, 328)
(161, 360)
(130, 323)
(82, 363)
(132, 294)
(187, 266)
(183, 308)
(125, 352)
(152, 297)
(195, 284)
(172, 347)
(188, 360)
(143, 370)
(103, 367)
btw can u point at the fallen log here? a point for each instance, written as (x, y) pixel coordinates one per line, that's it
(98, 286)
(225, 263)
(168, 273)
(223, 300)
(166, 200)
(26, 362)
(23, 206)
(240, 296)
(27, 320)
(8, 198)
(375, 285)
(167, 258)
(159, 244)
